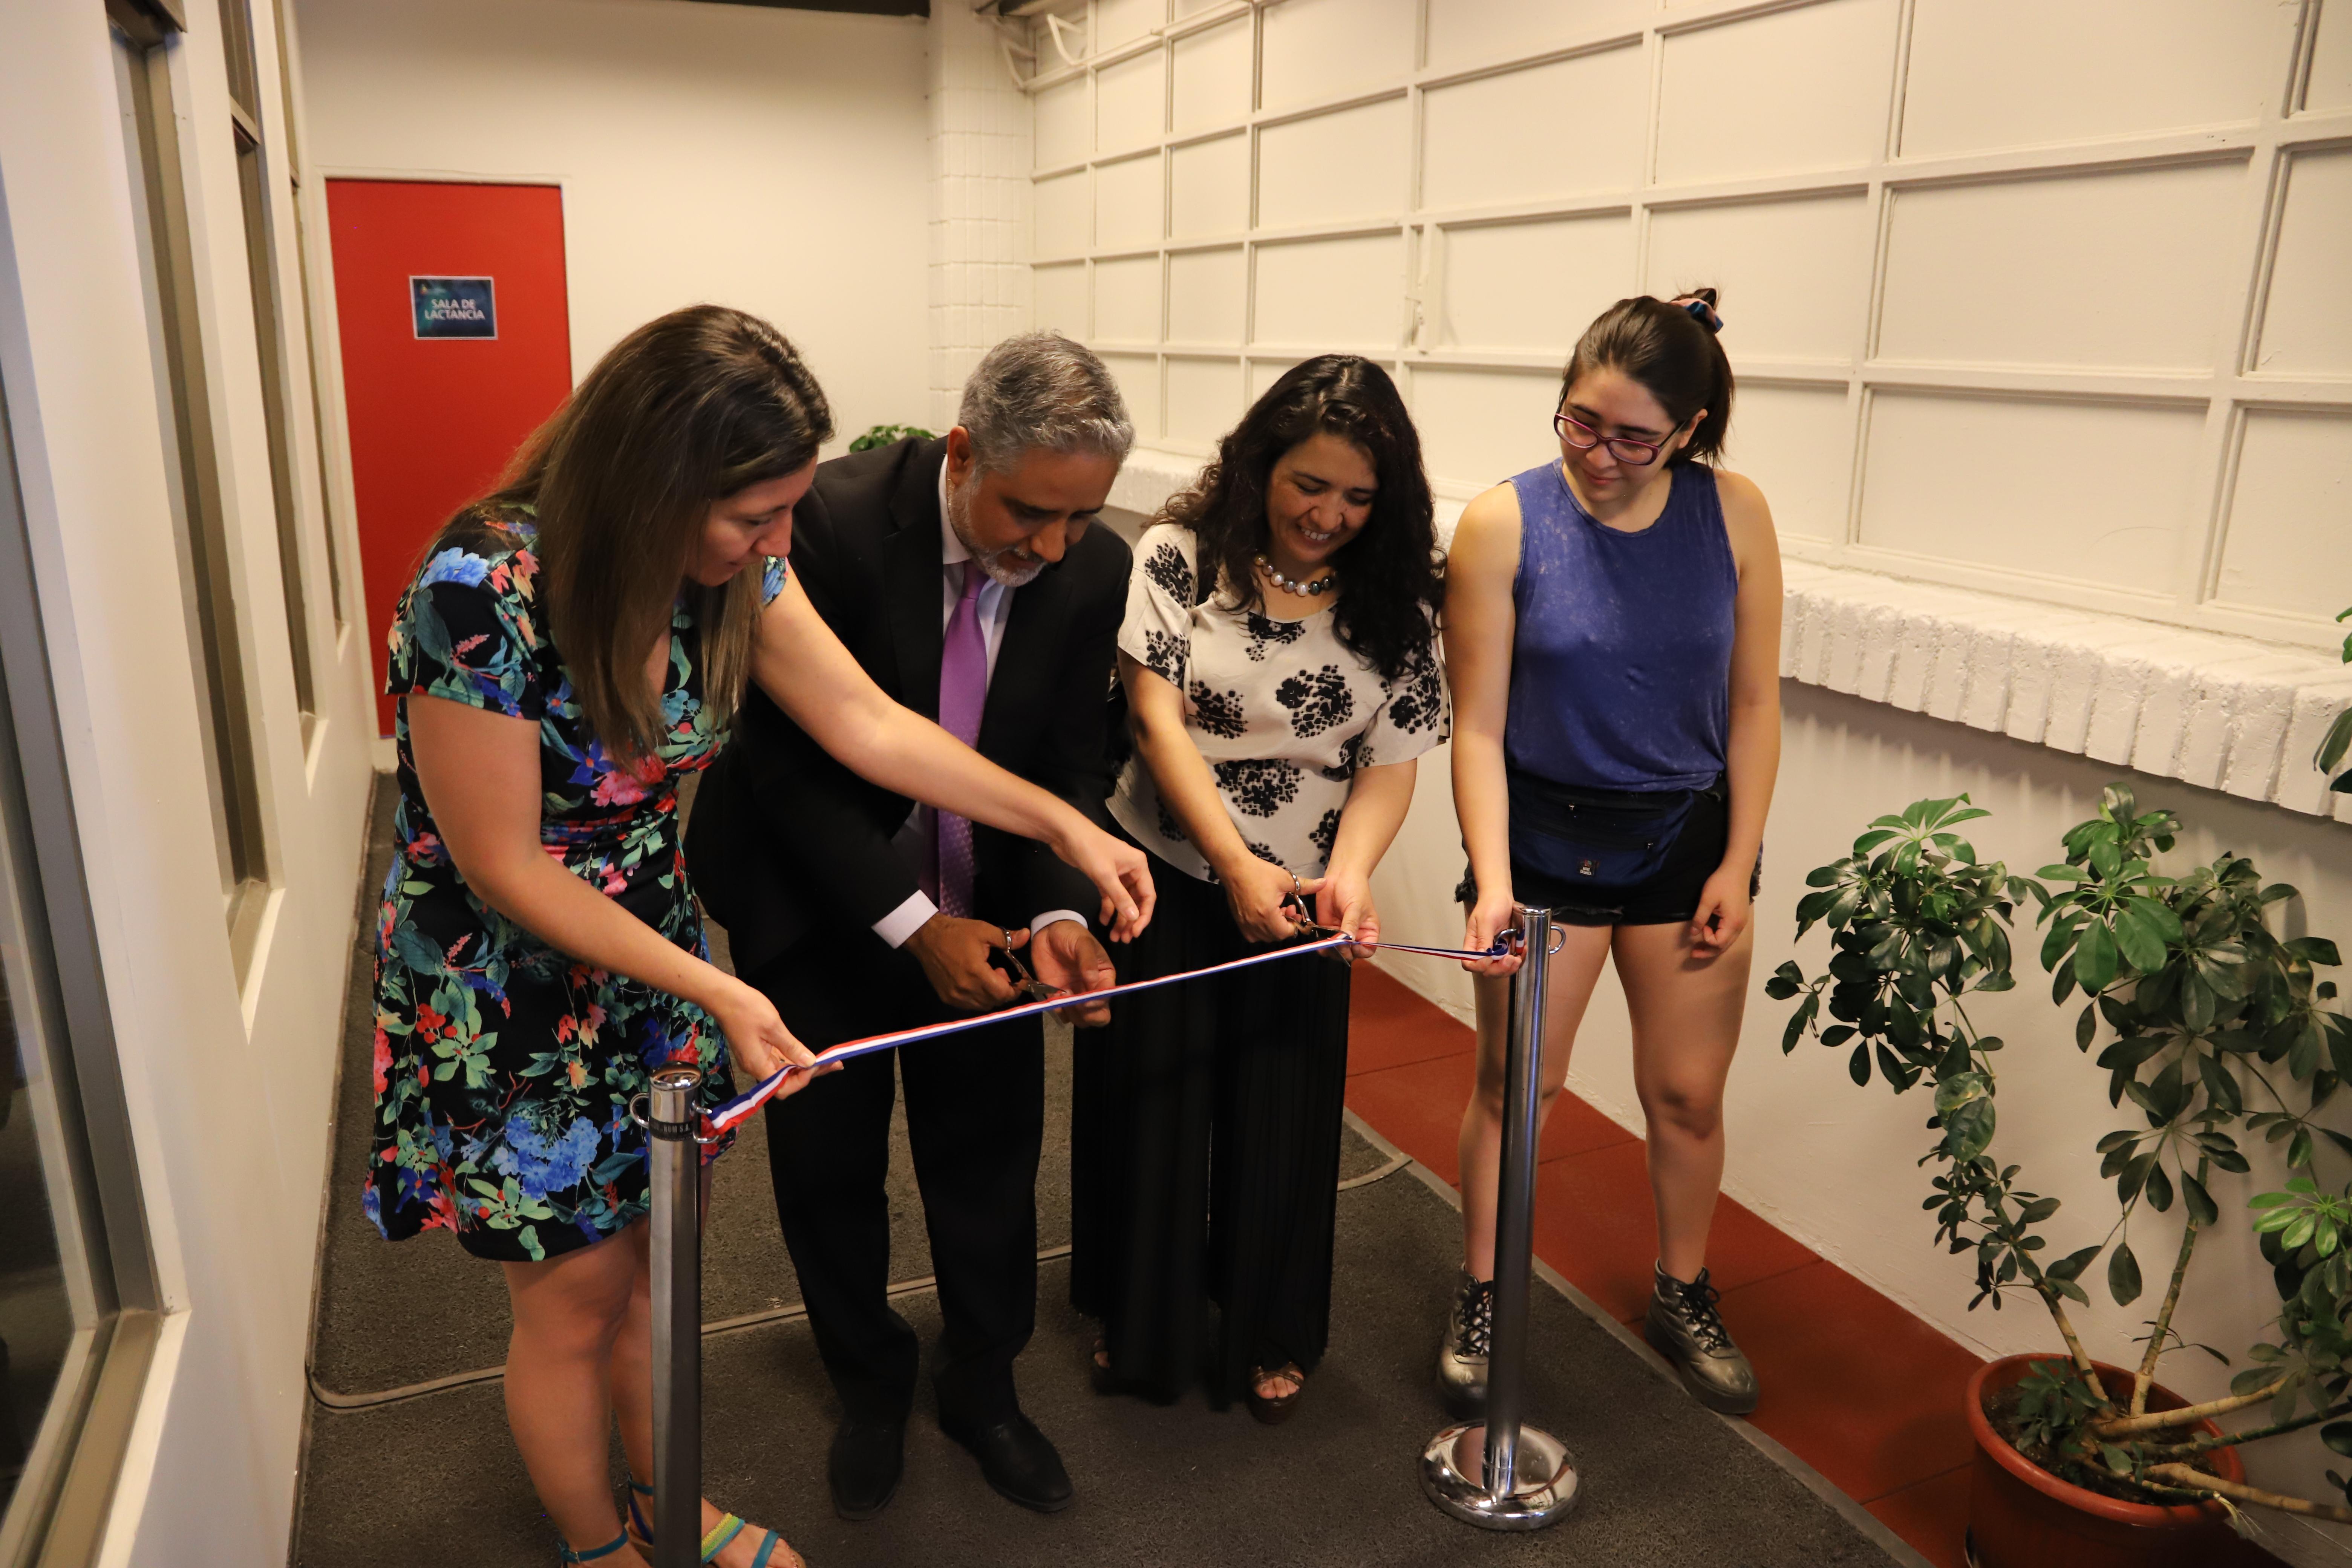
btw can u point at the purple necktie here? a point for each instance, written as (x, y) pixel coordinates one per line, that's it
(964, 691)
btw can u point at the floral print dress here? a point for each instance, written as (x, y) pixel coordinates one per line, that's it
(504, 1069)
(1283, 714)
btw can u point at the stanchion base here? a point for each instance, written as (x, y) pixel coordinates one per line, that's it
(1453, 1474)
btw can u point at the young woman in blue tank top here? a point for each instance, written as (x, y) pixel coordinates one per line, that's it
(1613, 633)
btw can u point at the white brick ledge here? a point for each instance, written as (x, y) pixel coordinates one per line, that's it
(2222, 712)
(1150, 476)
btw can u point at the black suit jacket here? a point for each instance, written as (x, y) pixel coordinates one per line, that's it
(785, 840)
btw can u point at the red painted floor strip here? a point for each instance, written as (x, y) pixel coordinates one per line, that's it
(1924, 1513)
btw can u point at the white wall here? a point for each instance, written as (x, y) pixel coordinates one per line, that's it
(771, 160)
(2032, 295)
(227, 1081)
(979, 200)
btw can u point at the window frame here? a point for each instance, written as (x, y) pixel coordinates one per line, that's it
(64, 1026)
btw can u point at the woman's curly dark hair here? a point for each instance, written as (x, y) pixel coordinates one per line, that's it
(1393, 574)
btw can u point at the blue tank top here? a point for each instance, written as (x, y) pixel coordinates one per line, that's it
(1620, 666)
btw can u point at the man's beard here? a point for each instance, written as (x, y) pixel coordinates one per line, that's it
(1013, 566)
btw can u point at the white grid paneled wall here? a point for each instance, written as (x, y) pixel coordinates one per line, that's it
(2044, 297)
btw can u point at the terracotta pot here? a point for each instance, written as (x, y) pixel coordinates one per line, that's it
(2021, 1516)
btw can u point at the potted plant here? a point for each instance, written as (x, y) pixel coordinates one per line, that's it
(2214, 1030)
(883, 435)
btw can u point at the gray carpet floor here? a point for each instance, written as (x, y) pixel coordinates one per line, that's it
(391, 1478)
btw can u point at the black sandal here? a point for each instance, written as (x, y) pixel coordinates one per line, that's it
(1273, 1410)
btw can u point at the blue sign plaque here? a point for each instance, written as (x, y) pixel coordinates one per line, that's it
(454, 307)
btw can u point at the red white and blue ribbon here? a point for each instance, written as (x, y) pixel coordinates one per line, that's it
(732, 1115)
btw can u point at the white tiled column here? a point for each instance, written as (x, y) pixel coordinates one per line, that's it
(980, 201)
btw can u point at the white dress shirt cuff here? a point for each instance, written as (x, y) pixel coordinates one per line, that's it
(904, 922)
(1053, 917)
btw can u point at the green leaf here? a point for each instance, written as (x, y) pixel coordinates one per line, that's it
(2201, 1208)
(2337, 1435)
(2337, 742)
(2221, 1089)
(2140, 935)
(2072, 1266)
(1967, 1130)
(2159, 1189)
(1958, 1089)
(2134, 1176)
(2094, 959)
(2314, 950)
(2123, 1275)
(1798, 1022)
(1858, 1065)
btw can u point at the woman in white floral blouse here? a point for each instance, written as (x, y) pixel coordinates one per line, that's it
(1281, 673)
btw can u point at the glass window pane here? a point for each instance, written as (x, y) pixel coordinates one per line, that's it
(43, 1302)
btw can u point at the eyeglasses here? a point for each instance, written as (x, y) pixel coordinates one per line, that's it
(1622, 447)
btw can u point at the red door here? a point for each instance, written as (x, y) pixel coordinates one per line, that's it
(456, 344)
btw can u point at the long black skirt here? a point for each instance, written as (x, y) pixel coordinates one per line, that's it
(1205, 1155)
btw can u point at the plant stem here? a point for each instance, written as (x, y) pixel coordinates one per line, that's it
(2251, 1435)
(2197, 1480)
(2057, 1305)
(2146, 1378)
(1996, 1206)
(2187, 1415)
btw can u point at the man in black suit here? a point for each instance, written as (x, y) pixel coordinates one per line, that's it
(965, 575)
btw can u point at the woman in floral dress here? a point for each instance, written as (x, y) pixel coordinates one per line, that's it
(572, 646)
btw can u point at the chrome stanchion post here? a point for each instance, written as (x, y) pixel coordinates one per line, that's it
(675, 1110)
(1502, 1474)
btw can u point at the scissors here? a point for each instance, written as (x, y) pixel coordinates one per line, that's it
(1026, 988)
(1295, 908)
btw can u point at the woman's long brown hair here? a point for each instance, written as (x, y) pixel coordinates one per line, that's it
(685, 411)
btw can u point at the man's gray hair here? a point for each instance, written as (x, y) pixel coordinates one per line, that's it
(1040, 390)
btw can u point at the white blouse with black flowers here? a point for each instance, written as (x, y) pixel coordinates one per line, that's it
(1282, 711)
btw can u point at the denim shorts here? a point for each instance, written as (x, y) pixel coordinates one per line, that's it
(1667, 896)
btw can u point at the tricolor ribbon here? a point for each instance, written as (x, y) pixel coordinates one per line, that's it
(730, 1115)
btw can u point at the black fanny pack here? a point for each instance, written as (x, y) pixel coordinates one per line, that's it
(1602, 839)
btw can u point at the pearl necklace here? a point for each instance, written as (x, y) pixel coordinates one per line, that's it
(1318, 587)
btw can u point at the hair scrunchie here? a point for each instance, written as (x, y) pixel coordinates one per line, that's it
(1700, 312)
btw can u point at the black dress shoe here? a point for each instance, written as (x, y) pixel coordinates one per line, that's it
(867, 1458)
(1018, 1462)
